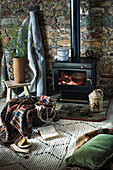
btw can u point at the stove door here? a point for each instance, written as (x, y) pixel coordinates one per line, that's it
(72, 79)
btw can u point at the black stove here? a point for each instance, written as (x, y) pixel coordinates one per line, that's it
(76, 78)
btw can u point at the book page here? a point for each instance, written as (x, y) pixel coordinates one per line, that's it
(48, 132)
(17, 149)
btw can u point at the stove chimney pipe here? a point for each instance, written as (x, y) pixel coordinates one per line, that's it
(75, 30)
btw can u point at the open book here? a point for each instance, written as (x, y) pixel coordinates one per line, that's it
(21, 145)
(48, 132)
(15, 148)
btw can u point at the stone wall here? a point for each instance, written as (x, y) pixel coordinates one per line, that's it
(54, 18)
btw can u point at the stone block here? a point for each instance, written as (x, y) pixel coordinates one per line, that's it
(108, 21)
(14, 5)
(48, 2)
(111, 43)
(49, 13)
(65, 21)
(96, 44)
(50, 20)
(65, 42)
(6, 12)
(58, 5)
(95, 35)
(110, 10)
(48, 28)
(21, 18)
(8, 21)
(97, 11)
(26, 4)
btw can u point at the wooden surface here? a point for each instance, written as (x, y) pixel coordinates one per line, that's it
(12, 84)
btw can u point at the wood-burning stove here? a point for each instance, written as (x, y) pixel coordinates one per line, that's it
(77, 78)
(74, 80)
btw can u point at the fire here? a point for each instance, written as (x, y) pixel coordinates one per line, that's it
(68, 80)
(70, 83)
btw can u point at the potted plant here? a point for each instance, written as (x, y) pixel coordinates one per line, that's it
(16, 45)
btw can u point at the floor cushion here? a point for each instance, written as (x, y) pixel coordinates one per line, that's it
(93, 154)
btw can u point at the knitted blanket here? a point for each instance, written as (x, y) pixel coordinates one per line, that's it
(19, 115)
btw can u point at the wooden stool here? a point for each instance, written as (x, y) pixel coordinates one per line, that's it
(12, 84)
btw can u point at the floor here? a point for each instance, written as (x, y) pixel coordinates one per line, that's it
(9, 157)
(110, 112)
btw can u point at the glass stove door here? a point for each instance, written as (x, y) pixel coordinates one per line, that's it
(70, 77)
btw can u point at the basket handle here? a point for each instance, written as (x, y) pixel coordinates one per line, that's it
(99, 90)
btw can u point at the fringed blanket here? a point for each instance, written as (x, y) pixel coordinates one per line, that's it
(19, 115)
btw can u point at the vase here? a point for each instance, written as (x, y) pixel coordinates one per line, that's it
(19, 70)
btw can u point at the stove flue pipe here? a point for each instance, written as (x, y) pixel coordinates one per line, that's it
(75, 30)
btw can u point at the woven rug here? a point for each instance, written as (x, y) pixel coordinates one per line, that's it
(50, 154)
(75, 111)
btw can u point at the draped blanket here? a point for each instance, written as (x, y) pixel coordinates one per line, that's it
(19, 115)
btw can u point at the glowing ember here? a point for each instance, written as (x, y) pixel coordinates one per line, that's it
(71, 83)
(68, 80)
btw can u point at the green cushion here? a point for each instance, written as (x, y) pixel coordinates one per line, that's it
(93, 154)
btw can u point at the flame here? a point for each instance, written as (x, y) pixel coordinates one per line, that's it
(66, 76)
(68, 81)
(71, 83)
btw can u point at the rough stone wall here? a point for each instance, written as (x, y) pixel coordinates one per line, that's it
(54, 18)
(97, 35)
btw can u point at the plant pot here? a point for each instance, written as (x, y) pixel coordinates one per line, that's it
(19, 70)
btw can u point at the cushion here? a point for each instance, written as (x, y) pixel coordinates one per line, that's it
(93, 154)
